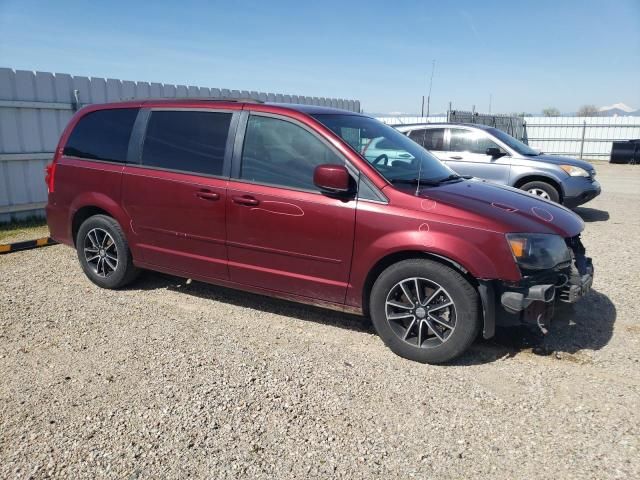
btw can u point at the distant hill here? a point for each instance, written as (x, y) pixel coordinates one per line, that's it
(618, 110)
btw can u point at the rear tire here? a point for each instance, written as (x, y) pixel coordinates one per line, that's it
(543, 190)
(104, 253)
(424, 311)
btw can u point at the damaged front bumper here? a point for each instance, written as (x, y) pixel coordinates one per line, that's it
(532, 300)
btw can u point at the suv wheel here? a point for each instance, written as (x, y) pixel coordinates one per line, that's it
(543, 190)
(424, 311)
(104, 253)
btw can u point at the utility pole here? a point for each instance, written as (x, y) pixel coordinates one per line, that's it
(433, 69)
(422, 109)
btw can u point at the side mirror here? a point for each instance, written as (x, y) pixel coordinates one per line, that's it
(332, 178)
(494, 152)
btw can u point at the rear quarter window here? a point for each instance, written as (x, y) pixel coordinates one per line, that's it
(102, 135)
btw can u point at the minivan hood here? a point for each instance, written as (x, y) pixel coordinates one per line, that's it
(560, 160)
(499, 208)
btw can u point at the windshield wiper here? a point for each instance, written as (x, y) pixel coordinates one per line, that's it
(428, 182)
(450, 178)
(414, 181)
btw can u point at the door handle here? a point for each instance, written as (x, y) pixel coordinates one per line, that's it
(207, 195)
(455, 157)
(245, 200)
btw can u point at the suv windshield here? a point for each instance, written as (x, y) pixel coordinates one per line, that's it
(394, 155)
(517, 145)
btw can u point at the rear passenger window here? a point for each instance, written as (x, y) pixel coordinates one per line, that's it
(429, 138)
(102, 135)
(282, 153)
(188, 141)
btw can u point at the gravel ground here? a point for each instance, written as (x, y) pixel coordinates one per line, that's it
(167, 380)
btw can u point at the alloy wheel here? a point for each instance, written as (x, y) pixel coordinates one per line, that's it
(100, 252)
(420, 312)
(538, 192)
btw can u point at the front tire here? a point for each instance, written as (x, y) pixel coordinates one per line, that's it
(542, 190)
(104, 253)
(424, 311)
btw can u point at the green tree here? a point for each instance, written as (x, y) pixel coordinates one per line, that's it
(551, 112)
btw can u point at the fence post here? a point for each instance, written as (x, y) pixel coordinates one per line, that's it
(584, 128)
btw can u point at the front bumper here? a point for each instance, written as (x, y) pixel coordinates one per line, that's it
(532, 300)
(579, 190)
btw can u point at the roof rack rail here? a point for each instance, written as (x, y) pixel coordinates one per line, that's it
(208, 99)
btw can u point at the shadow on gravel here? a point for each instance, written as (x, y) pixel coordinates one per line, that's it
(586, 325)
(153, 280)
(592, 214)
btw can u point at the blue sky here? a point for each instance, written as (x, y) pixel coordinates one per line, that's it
(527, 54)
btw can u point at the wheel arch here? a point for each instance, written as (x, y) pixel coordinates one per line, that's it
(484, 288)
(399, 256)
(541, 178)
(83, 214)
(91, 204)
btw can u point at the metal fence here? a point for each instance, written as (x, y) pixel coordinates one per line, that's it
(514, 126)
(590, 138)
(36, 106)
(410, 120)
(584, 137)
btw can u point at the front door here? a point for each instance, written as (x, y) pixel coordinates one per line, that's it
(176, 197)
(466, 155)
(283, 234)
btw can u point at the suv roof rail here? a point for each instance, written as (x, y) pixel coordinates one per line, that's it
(206, 99)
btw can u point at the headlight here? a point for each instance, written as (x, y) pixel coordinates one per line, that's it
(538, 251)
(574, 171)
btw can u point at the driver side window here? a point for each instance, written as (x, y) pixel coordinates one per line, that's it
(471, 141)
(278, 152)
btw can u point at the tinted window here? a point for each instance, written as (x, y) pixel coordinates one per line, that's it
(102, 135)
(429, 138)
(189, 141)
(282, 153)
(473, 141)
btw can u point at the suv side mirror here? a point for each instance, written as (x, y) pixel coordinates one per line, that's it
(332, 178)
(494, 152)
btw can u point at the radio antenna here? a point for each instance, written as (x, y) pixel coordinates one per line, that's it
(433, 69)
(424, 131)
(419, 174)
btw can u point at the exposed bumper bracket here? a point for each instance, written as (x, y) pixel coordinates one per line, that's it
(488, 298)
(515, 302)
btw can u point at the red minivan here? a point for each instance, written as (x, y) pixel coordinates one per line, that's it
(281, 200)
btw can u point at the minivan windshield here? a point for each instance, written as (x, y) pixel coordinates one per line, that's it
(398, 158)
(517, 145)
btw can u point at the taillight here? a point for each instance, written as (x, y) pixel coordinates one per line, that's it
(49, 174)
(50, 170)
